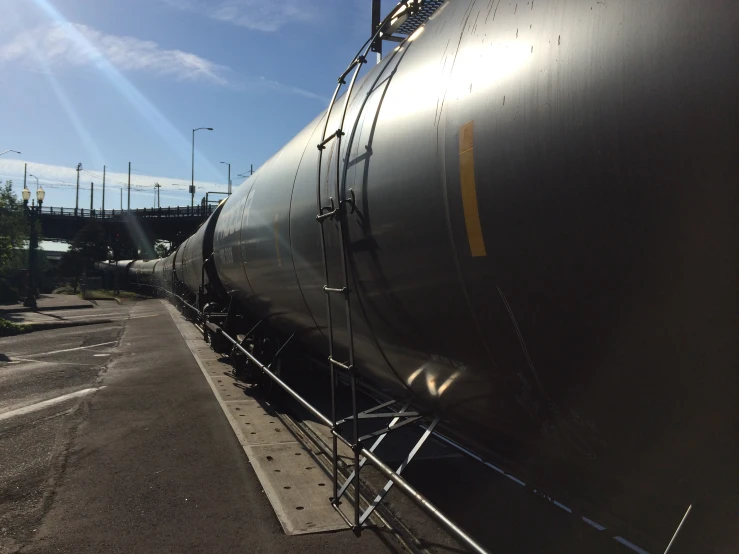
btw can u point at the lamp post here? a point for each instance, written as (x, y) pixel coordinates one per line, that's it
(16, 151)
(30, 300)
(31, 175)
(229, 177)
(192, 181)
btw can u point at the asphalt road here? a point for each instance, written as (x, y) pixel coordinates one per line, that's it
(40, 374)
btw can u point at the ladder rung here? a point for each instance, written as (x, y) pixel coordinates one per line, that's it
(340, 364)
(342, 290)
(357, 60)
(329, 138)
(327, 215)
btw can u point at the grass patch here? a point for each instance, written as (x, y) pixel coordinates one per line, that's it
(10, 329)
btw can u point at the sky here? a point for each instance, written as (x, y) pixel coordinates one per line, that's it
(108, 82)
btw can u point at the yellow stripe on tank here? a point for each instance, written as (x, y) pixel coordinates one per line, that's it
(469, 190)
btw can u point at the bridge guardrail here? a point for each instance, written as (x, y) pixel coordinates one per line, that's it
(168, 212)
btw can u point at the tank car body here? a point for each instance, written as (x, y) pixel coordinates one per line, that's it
(192, 269)
(122, 270)
(159, 280)
(108, 273)
(168, 268)
(141, 274)
(540, 236)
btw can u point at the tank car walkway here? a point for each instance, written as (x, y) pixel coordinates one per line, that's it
(149, 463)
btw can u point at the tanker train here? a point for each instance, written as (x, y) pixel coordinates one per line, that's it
(524, 220)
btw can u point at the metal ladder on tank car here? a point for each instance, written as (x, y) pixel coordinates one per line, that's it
(336, 211)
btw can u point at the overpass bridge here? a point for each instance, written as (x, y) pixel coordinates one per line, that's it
(133, 228)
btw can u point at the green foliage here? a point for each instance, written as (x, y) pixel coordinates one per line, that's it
(13, 225)
(162, 249)
(65, 289)
(9, 329)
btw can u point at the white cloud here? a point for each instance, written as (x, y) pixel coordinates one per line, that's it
(77, 44)
(44, 48)
(268, 84)
(258, 15)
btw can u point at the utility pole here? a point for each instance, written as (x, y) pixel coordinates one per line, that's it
(25, 169)
(77, 200)
(92, 186)
(121, 198)
(103, 189)
(229, 176)
(157, 186)
(251, 169)
(129, 186)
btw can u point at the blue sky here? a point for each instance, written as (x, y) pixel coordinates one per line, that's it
(105, 82)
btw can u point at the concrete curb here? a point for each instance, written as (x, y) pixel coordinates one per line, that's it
(46, 325)
(42, 309)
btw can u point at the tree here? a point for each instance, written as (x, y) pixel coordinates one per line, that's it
(13, 234)
(89, 245)
(13, 225)
(162, 248)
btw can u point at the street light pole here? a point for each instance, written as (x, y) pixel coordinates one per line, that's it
(16, 151)
(31, 175)
(30, 300)
(103, 208)
(192, 180)
(77, 197)
(229, 177)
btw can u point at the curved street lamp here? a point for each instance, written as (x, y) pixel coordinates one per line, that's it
(16, 151)
(32, 175)
(192, 182)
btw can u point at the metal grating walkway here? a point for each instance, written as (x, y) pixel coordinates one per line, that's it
(415, 21)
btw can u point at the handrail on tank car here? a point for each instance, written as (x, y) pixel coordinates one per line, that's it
(424, 503)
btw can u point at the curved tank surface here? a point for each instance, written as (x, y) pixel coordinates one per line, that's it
(141, 272)
(194, 252)
(541, 237)
(122, 271)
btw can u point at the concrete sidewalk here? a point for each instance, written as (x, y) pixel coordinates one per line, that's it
(49, 302)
